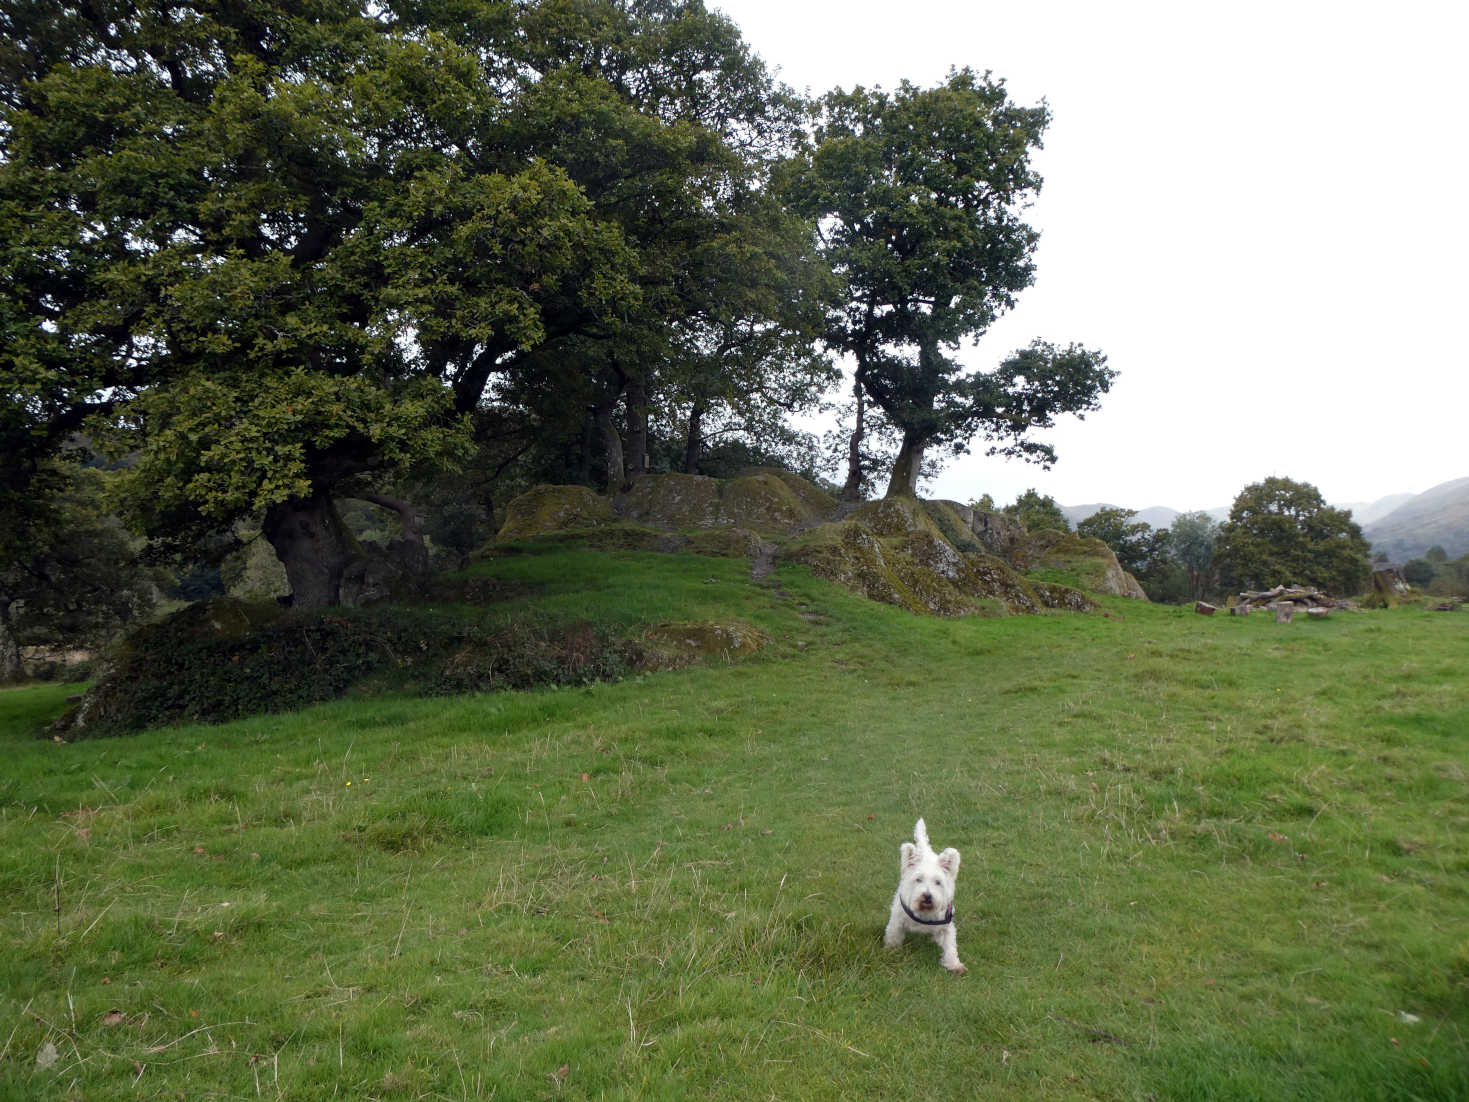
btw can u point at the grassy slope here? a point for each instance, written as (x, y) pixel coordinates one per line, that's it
(1202, 857)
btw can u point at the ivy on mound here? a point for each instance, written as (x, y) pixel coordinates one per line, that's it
(226, 659)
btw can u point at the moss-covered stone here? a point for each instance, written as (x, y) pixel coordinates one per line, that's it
(546, 508)
(955, 521)
(763, 503)
(675, 501)
(215, 618)
(895, 517)
(724, 543)
(846, 552)
(1090, 561)
(1063, 597)
(933, 552)
(818, 502)
(988, 576)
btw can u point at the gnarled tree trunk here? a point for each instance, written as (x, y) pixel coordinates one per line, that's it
(904, 481)
(312, 544)
(852, 491)
(694, 443)
(612, 446)
(10, 668)
(637, 429)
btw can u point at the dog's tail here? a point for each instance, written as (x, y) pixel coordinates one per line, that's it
(920, 835)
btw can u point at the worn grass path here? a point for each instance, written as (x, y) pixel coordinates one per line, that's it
(1202, 858)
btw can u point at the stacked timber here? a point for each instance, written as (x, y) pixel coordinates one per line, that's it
(1285, 600)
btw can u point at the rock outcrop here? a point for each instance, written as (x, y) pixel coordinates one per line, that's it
(931, 557)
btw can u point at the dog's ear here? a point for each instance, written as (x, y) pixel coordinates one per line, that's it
(908, 856)
(949, 862)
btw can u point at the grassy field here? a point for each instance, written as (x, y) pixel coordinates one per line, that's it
(1202, 858)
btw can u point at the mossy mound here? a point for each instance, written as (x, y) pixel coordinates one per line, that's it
(1063, 597)
(545, 508)
(215, 618)
(956, 522)
(988, 576)
(674, 501)
(763, 502)
(918, 571)
(817, 501)
(684, 643)
(1090, 562)
(724, 543)
(894, 517)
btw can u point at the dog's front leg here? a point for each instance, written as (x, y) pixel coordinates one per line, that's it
(893, 936)
(948, 942)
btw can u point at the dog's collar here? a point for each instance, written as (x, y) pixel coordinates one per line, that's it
(948, 918)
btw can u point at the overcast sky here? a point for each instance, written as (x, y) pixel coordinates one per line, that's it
(1259, 211)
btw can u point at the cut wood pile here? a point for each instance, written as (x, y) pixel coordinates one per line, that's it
(1283, 600)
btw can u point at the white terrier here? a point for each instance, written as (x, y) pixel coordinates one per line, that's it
(924, 901)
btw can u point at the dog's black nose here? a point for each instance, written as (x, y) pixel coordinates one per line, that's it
(925, 900)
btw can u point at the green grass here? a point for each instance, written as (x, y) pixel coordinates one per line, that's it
(1202, 858)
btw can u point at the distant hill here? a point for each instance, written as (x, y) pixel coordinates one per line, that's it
(1436, 516)
(1365, 512)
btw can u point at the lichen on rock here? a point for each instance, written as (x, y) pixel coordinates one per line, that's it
(547, 508)
(1090, 561)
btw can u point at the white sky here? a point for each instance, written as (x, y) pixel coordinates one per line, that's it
(1257, 210)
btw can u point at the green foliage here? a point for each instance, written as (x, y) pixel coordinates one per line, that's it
(1138, 548)
(69, 573)
(1283, 532)
(1419, 572)
(288, 248)
(1037, 511)
(921, 194)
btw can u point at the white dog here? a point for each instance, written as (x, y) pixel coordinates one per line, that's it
(924, 901)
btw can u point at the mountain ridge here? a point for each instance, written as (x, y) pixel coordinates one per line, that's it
(1401, 525)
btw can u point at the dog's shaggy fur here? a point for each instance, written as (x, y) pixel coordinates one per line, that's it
(924, 901)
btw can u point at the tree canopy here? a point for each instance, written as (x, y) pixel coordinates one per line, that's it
(286, 250)
(920, 195)
(1282, 532)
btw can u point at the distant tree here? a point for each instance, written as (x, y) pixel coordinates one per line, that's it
(1436, 554)
(1280, 532)
(71, 575)
(984, 503)
(1191, 538)
(1137, 546)
(919, 196)
(1419, 572)
(1037, 511)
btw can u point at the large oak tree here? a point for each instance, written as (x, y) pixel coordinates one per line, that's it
(288, 249)
(921, 195)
